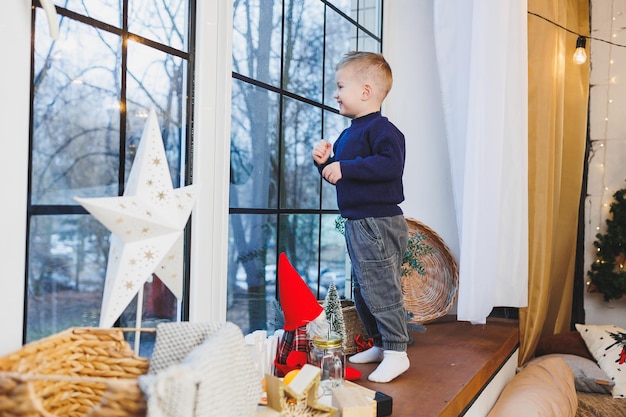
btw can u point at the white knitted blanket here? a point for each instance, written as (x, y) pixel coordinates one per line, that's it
(201, 369)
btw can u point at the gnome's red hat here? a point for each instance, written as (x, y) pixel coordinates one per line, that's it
(299, 305)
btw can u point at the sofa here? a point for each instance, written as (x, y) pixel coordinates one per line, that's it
(580, 373)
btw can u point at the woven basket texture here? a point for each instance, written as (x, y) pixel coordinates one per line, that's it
(431, 295)
(354, 326)
(78, 372)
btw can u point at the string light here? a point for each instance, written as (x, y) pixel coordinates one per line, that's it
(580, 55)
(575, 33)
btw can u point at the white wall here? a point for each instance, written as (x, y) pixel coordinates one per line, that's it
(414, 105)
(14, 110)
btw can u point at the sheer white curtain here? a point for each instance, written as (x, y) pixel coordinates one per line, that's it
(482, 59)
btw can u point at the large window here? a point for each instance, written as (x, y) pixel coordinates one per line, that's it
(92, 90)
(284, 54)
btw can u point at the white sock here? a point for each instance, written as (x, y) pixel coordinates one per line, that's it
(373, 354)
(393, 365)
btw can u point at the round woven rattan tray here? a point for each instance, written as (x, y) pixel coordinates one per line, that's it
(431, 295)
(84, 372)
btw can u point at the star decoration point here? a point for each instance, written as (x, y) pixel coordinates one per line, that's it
(139, 211)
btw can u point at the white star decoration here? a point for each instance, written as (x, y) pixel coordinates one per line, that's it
(146, 226)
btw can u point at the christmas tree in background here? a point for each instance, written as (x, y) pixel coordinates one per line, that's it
(607, 272)
(334, 314)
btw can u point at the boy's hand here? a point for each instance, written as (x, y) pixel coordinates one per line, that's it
(321, 152)
(332, 172)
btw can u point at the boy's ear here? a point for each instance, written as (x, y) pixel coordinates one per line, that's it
(367, 91)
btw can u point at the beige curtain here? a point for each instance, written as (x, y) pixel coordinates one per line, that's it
(558, 93)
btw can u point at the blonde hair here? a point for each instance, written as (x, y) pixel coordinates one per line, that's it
(371, 66)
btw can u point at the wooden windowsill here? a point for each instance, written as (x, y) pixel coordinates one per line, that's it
(451, 363)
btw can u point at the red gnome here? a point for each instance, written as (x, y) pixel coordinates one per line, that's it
(304, 318)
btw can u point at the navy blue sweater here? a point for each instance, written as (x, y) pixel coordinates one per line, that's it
(371, 153)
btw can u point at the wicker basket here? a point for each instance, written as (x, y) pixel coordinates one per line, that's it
(78, 372)
(431, 295)
(354, 326)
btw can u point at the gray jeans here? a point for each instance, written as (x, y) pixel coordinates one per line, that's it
(376, 247)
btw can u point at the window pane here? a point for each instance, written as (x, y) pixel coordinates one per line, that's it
(303, 48)
(251, 270)
(338, 42)
(300, 179)
(68, 261)
(369, 15)
(107, 11)
(367, 43)
(254, 147)
(68, 257)
(299, 111)
(299, 237)
(334, 124)
(334, 259)
(256, 40)
(77, 150)
(163, 21)
(346, 6)
(159, 305)
(156, 80)
(75, 114)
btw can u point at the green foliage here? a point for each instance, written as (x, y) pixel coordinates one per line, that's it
(340, 224)
(416, 248)
(607, 273)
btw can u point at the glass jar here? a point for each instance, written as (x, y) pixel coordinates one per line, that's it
(327, 353)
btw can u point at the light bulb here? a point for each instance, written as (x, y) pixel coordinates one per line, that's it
(580, 56)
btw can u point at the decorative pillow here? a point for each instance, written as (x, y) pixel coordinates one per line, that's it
(543, 389)
(567, 342)
(607, 344)
(588, 377)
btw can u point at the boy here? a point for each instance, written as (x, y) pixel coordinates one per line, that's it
(366, 170)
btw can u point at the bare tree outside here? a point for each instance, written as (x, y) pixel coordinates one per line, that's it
(92, 92)
(284, 54)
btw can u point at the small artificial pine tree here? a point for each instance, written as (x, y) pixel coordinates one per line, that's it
(607, 272)
(334, 314)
